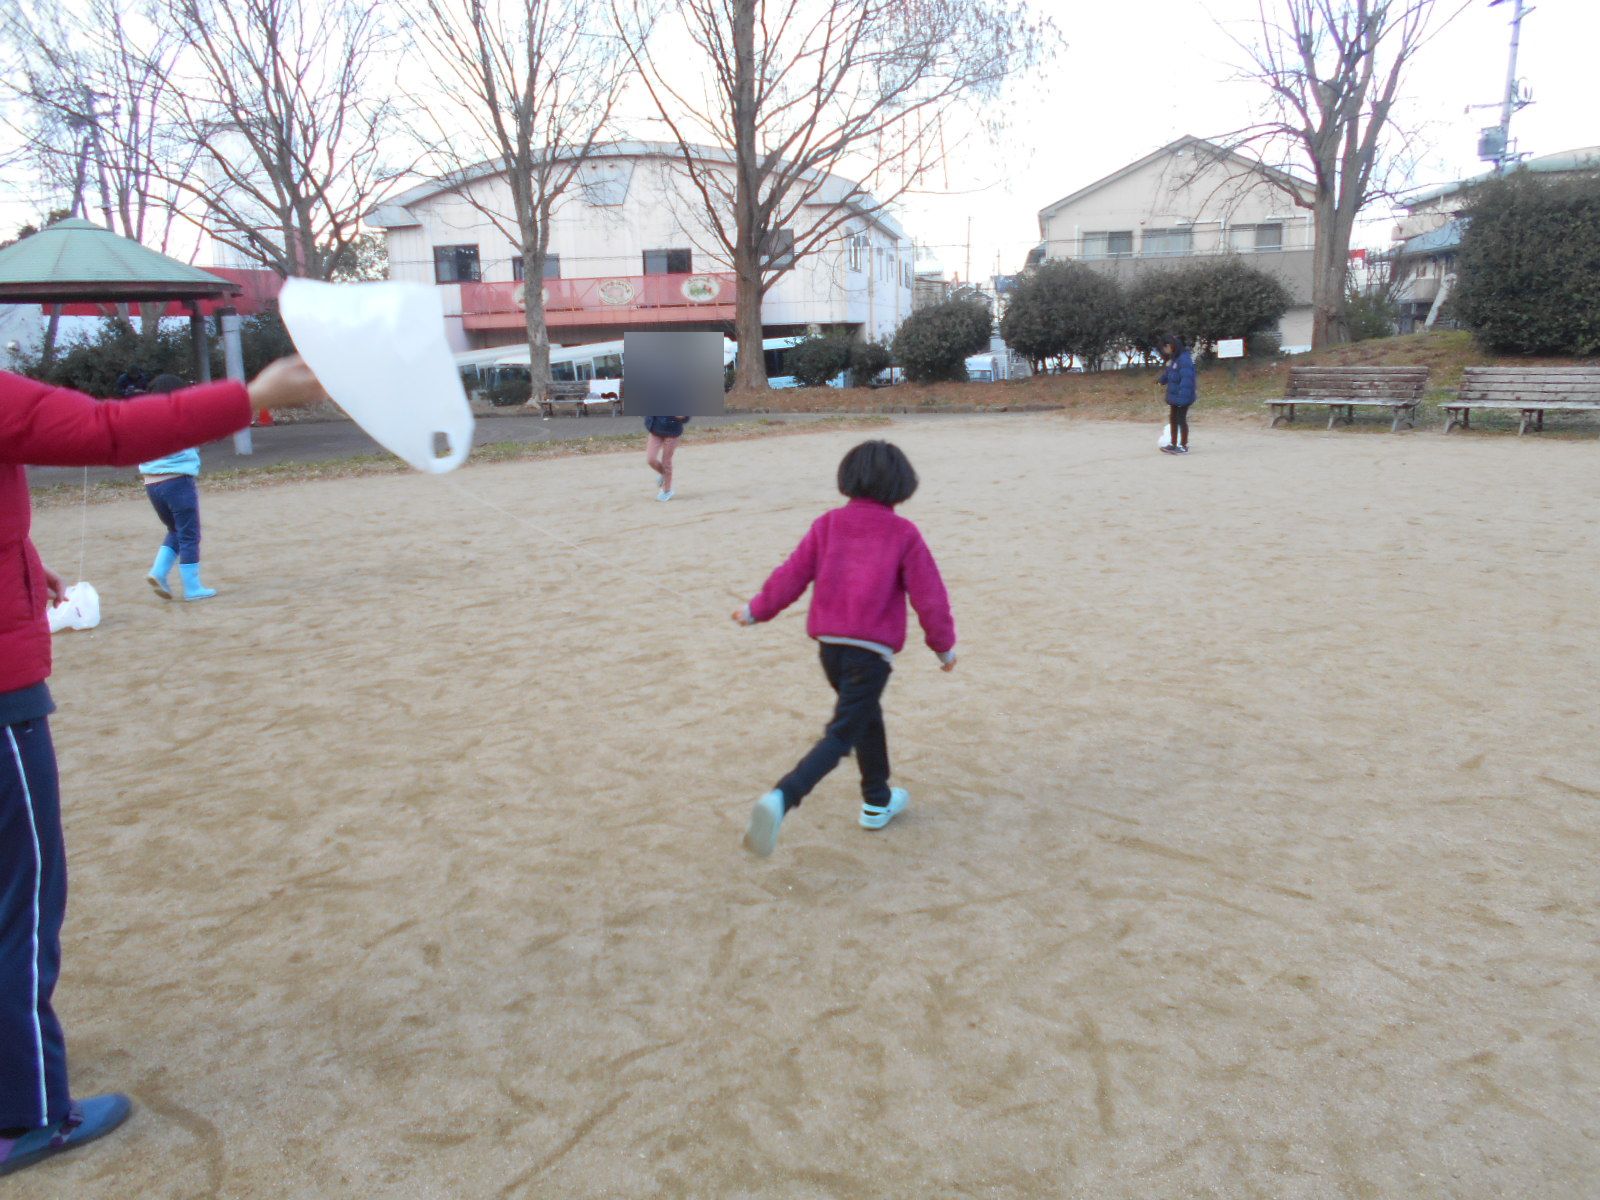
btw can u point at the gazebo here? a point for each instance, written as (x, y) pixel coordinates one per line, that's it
(76, 261)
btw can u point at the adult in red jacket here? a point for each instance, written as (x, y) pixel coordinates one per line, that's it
(46, 426)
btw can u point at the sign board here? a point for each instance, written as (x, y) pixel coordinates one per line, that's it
(1230, 348)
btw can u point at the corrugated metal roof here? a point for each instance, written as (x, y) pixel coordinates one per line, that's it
(78, 260)
(1585, 158)
(1435, 241)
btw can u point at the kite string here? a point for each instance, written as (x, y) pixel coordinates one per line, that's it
(697, 606)
(83, 526)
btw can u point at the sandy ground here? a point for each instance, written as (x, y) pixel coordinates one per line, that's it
(1252, 849)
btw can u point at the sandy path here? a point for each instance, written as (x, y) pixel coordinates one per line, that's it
(1252, 851)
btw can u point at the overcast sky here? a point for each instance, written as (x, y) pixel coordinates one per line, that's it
(1136, 74)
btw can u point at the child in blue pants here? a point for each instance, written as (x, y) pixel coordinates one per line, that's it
(171, 484)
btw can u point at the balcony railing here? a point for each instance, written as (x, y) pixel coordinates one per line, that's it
(608, 300)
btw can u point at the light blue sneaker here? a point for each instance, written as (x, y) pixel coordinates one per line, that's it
(665, 495)
(762, 835)
(873, 817)
(86, 1120)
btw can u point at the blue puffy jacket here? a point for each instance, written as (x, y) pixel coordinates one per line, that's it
(1179, 378)
(667, 427)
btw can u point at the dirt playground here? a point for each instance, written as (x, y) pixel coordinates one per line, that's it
(1253, 851)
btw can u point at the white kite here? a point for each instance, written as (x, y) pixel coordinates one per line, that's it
(380, 350)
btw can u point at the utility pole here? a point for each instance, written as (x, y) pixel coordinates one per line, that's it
(1494, 143)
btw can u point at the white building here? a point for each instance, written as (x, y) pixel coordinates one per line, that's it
(1189, 199)
(630, 251)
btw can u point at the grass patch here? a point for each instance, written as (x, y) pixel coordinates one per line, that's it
(246, 479)
(1235, 388)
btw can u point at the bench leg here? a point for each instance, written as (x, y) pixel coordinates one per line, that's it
(1522, 428)
(1449, 419)
(1333, 415)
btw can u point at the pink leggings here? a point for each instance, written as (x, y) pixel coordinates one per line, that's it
(658, 454)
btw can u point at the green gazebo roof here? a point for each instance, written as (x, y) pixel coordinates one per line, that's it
(75, 261)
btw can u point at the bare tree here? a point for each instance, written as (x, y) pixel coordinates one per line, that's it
(278, 102)
(1332, 70)
(826, 112)
(522, 93)
(87, 85)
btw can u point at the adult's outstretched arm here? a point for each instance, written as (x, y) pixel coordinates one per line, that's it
(48, 426)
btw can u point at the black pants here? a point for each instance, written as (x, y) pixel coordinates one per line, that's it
(1178, 416)
(859, 677)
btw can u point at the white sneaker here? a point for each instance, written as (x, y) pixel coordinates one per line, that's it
(660, 482)
(665, 495)
(873, 817)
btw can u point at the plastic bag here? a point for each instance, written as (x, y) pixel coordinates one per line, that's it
(380, 350)
(79, 609)
(1166, 435)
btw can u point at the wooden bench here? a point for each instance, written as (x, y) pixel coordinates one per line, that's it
(1342, 390)
(1530, 391)
(578, 395)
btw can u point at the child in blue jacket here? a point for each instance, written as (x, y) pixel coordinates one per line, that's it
(1178, 378)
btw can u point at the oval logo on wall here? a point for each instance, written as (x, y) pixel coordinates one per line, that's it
(617, 291)
(701, 289)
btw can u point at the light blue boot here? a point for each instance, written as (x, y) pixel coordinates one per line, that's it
(160, 569)
(193, 589)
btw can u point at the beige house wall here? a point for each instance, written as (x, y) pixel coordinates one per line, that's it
(1220, 203)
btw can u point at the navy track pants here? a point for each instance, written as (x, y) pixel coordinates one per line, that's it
(33, 901)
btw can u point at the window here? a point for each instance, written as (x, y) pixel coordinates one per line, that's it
(608, 366)
(777, 249)
(562, 372)
(585, 368)
(455, 264)
(552, 267)
(855, 250)
(1108, 244)
(668, 262)
(1169, 241)
(1250, 238)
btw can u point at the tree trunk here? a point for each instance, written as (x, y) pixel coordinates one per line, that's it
(538, 335)
(751, 373)
(1329, 271)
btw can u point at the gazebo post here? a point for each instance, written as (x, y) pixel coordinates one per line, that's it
(197, 338)
(233, 356)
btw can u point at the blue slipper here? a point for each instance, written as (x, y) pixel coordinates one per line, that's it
(762, 835)
(873, 817)
(86, 1120)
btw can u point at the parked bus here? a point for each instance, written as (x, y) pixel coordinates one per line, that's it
(599, 364)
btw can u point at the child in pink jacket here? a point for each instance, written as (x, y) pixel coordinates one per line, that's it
(863, 562)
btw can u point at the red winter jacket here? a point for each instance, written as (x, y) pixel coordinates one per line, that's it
(53, 427)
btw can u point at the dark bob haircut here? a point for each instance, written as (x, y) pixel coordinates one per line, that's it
(165, 383)
(877, 470)
(1175, 341)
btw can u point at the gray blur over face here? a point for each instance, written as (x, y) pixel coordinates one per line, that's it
(671, 374)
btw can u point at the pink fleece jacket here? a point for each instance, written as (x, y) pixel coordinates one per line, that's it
(864, 561)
